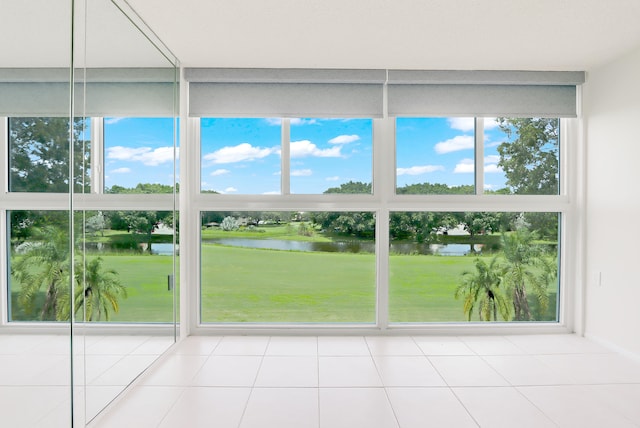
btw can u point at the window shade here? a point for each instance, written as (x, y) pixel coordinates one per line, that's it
(285, 92)
(98, 92)
(483, 93)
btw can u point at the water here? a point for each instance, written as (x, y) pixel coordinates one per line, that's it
(166, 249)
(347, 246)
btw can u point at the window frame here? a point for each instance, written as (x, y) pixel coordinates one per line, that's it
(382, 201)
(95, 201)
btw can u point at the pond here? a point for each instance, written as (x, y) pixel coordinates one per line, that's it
(347, 246)
(157, 248)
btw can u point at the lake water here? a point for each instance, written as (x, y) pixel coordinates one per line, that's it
(346, 246)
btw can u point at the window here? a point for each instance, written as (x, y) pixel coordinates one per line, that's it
(138, 155)
(287, 267)
(39, 154)
(521, 156)
(244, 156)
(473, 266)
(331, 156)
(240, 156)
(435, 155)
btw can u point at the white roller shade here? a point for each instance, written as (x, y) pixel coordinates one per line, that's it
(98, 92)
(483, 93)
(285, 93)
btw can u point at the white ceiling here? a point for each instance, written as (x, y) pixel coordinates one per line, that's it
(405, 34)
(400, 34)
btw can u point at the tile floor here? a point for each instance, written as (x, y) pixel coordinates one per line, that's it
(369, 382)
(35, 375)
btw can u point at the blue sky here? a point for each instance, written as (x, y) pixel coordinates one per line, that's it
(441, 150)
(138, 150)
(242, 156)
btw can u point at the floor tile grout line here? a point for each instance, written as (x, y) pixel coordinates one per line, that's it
(253, 386)
(384, 388)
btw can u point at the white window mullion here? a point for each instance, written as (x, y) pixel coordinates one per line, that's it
(190, 185)
(97, 155)
(384, 190)
(479, 157)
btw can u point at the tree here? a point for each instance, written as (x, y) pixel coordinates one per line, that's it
(43, 263)
(435, 189)
(141, 224)
(39, 155)
(95, 224)
(484, 289)
(526, 267)
(529, 158)
(97, 291)
(351, 187)
(229, 223)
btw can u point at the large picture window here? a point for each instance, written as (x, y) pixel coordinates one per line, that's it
(473, 266)
(288, 267)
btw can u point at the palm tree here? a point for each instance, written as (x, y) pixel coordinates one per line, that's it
(526, 266)
(484, 288)
(43, 263)
(97, 291)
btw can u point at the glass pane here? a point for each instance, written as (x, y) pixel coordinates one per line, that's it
(331, 155)
(138, 155)
(521, 156)
(240, 156)
(435, 156)
(39, 154)
(288, 267)
(39, 258)
(473, 266)
(126, 261)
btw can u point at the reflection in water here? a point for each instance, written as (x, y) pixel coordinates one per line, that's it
(348, 246)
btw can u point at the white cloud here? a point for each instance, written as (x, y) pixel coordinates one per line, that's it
(121, 171)
(463, 124)
(419, 170)
(460, 142)
(491, 159)
(344, 139)
(243, 152)
(468, 166)
(490, 123)
(333, 178)
(301, 173)
(273, 121)
(230, 190)
(113, 120)
(464, 166)
(220, 172)
(273, 192)
(146, 155)
(304, 148)
(491, 164)
(299, 122)
(492, 169)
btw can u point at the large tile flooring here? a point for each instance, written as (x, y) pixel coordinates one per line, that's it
(35, 375)
(409, 381)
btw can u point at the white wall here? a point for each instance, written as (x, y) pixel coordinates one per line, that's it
(612, 112)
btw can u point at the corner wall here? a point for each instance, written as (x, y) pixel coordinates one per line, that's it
(612, 112)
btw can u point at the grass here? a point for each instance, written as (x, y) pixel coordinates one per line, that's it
(272, 231)
(255, 285)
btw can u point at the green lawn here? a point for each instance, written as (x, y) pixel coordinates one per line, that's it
(253, 285)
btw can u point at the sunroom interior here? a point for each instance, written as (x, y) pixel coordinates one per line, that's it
(180, 178)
